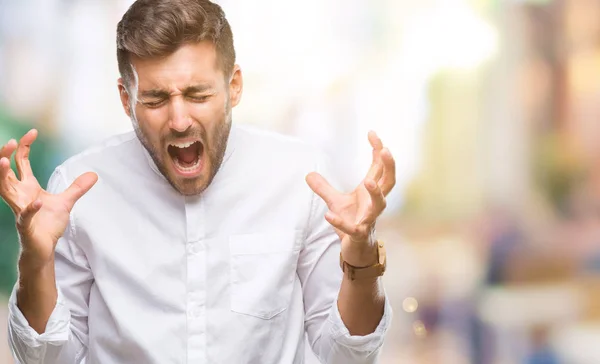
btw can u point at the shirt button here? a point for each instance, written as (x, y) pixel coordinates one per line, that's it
(194, 313)
(194, 248)
(190, 248)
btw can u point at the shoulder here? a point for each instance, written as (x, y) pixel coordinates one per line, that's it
(273, 148)
(106, 155)
(282, 159)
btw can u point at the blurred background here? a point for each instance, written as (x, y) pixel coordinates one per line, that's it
(491, 108)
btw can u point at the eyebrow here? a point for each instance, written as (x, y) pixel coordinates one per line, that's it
(196, 89)
(155, 93)
(162, 94)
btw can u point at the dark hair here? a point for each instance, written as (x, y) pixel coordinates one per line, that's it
(157, 28)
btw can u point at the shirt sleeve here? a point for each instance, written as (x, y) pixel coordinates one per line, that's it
(64, 340)
(321, 278)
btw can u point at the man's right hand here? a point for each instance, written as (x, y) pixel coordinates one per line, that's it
(42, 219)
(41, 216)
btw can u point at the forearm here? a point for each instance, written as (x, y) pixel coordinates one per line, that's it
(58, 344)
(36, 293)
(361, 305)
(48, 308)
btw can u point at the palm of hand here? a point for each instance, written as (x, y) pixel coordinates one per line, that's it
(41, 217)
(48, 224)
(354, 215)
(352, 207)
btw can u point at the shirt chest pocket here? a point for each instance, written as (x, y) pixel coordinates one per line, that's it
(263, 269)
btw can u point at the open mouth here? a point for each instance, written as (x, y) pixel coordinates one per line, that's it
(186, 156)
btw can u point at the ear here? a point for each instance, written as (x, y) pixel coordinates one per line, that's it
(124, 95)
(236, 86)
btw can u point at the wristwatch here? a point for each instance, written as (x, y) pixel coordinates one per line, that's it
(376, 270)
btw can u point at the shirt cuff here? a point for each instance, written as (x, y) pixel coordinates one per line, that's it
(57, 328)
(368, 343)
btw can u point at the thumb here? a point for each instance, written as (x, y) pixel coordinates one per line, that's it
(80, 187)
(321, 187)
(26, 216)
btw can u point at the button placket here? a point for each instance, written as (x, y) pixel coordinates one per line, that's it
(196, 279)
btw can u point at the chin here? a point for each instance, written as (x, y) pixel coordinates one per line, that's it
(189, 186)
(192, 190)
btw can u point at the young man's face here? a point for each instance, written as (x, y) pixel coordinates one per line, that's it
(180, 106)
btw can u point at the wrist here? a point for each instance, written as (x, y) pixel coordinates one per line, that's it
(365, 271)
(360, 255)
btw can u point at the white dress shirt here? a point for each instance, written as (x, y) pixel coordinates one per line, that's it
(235, 275)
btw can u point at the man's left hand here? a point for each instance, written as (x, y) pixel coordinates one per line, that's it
(354, 215)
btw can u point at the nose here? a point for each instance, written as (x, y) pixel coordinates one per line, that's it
(179, 118)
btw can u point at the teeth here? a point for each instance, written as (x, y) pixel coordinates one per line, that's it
(182, 145)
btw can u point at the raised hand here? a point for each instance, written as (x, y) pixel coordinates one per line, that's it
(41, 217)
(354, 214)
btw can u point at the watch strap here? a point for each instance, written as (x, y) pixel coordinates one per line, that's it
(373, 271)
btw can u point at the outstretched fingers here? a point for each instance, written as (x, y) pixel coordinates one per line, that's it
(388, 180)
(8, 149)
(22, 155)
(7, 180)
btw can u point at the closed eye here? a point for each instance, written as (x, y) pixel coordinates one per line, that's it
(200, 98)
(154, 104)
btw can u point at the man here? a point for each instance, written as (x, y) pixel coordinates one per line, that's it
(193, 240)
